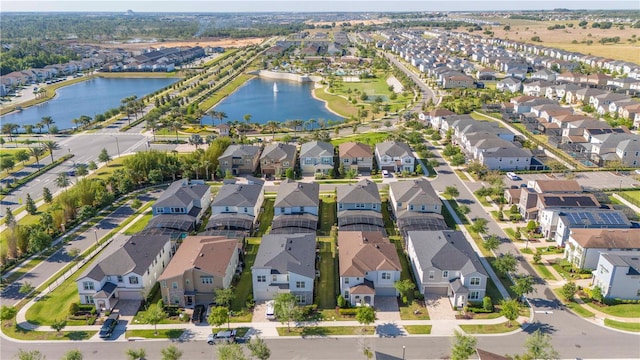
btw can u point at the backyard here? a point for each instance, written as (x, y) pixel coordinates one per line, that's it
(326, 284)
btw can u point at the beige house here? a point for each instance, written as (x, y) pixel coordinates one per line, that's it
(357, 156)
(201, 265)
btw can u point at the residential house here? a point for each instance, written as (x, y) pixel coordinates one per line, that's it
(276, 158)
(395, 156)
(285, 263)
(558, 224)
(201, 265)
(181, 206)
(509, 84)
(584, 246)
(544, 74)
(506, 158)
(240, 159)
(296, 208)
(223, 129)
(416, 206)
(356, 156)
(369, 265)
(316, 157)
(457, 81)
(359, 207)
(435, 117)
(236, 207)
(618, 276)
(127, 270)
(445, 264)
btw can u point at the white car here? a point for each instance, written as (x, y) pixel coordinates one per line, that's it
(513, 176)
(385, 173)
(270, 312)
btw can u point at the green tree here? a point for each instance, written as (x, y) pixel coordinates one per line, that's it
(452, 192)
(104, 156)
(218, 316)
(58, 325)
(491, 243)
(224, 297)
(523, 285)
(21, 155)
(537, 257)
(171, 352)
(36, 152)
(531, 226)
(230, 352)
(81, 170)
(568, 290)
(464, 209)
(136, 354)
(154, 316)
(405, 288)
(539, 346)
(7, 313)
(62, 180)
(510, 309)
(487, 304)
(9, 219)
(505, 263)
(73, 355)
(365, 315)
(50, 146)
(457, 160)
(30, 205)
(26, 288)
(596, 294)
(290, 174)
(463, 346)
(285, 309)
(92, 165)
(30, 355)
(479, 226)
(259, 349)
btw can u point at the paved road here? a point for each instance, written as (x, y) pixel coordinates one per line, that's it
(37, 276)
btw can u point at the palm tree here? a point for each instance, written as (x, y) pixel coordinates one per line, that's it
(176, 125)
(273, 126)
(62, 181)
(206, 164)
(221, 115)
(9, 128)
(47, 121)
(152, 124)
(196, 140)
(28, 128)
(210, 138)
(50, 146)
(39, 125)
(36, 152)
(296, 124)
(247, 119)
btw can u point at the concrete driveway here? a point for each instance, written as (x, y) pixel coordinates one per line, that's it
(387, 308)
(439, 308)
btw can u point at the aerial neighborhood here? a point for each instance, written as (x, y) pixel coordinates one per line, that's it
(384, 176)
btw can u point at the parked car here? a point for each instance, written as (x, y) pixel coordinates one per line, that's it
(222, 337)
(108, 326)
(513, 176)
(270, 312)
(198, 314)
(385, 173)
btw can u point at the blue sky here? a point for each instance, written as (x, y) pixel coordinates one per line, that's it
(306, 5)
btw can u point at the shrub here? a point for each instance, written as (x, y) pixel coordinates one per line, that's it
(91, 320)
(74, 308)
(341, 301)
(348, 312)
(487, 304)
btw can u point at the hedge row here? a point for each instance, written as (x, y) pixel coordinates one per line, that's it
(35, 174)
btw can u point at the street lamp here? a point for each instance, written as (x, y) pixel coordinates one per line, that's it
(95, 233)
(117, 144)
(403, 349)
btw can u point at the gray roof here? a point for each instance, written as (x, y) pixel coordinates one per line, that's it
(245, 195)
(415, 192)
(393, 149)
(181, 193)
(240, 151)
(365, 191)
(508, 152)
(632, 261)
(291, 193)
(134, 256)
(316, 149)
(284, 253)
(445, 250)
(279, 152)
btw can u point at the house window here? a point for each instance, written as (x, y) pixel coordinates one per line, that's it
(187, 282)
(206, 279)
(133, 280)
(474, 295)
(274, 278)
(340, 206)
(301, 299)
(174, 285)
(164, 284)
(88, 299)
(300, 284)
(160, 210)
(108, 278)
(226, 208)
(375, 206)
(474, 281)
(445, 274)
(386, 276)
(88, 285)
(262, 278)
(120, 278)
(176, 210)
(246, 209)
(286, 163)
(411, 207)
(432, 275)
(301, 208)
(346, 280)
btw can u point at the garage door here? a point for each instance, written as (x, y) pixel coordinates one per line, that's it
(130, 295)
(436, 291)
(385, 291)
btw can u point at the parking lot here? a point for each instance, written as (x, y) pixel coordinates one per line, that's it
(596, 180)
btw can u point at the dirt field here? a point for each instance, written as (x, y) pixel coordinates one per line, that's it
(227, 43)
(524, 30)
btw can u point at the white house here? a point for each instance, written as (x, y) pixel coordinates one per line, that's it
(618, 276)
(584, 246)
(394, 156)
(236, 206)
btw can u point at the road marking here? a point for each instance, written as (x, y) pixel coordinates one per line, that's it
(543, 312)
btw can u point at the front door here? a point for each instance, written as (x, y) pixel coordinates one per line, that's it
(189, 300)
(101, 304)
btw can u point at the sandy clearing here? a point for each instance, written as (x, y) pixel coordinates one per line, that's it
(227, 43)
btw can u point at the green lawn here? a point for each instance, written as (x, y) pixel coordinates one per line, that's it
(140, 224)
(336, 103)
(150, 334)
(21, 334)
(408, 312)
(576, 308)
(562, 267)
(244, 286)
(139, 318)
(544, 272)
(448, 218)
(325, 288)
(266, 217)
(389, 225)
(490, 329)
(332, 314)
(620, 310)
(406, 269)
(326, 330)
(328, 217)
(370, 138)
(418, 329)
(627, 326)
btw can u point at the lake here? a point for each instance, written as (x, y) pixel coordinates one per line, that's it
(90, 97)
(293, 101)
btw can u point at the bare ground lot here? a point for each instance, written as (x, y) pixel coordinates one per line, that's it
(227, 43)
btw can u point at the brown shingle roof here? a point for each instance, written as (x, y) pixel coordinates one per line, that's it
(607, 238)
(354, 150)
(558, 185)
(362, 251)
(210, 254)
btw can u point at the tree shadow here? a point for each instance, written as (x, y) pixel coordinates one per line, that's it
(313, 331)
(77, 335)
(536, 325)
(388, 330)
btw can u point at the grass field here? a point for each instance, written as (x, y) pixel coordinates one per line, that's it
(371, 138)
(620, 310)
(244, 287)
(327, 215)
(418, 329)
(140, 224)
(490, 329)
(409, 312)
(326, 284)
(326, 331)
(336, 103)
(150, 334)
(627, 326)
(544, 272)
(266, 217)
(21, 334)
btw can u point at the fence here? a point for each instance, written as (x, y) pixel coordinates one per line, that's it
(629, 198)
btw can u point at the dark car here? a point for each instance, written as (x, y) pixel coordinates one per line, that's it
(198, 314)
(107, 327)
